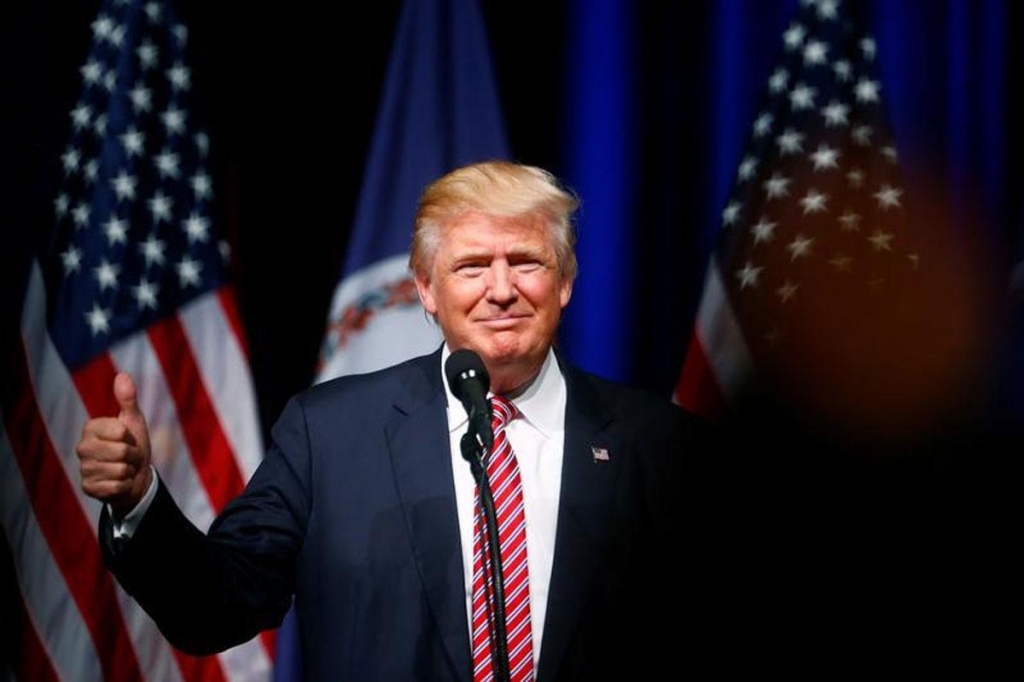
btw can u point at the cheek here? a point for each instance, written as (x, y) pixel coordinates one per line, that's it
(543, 293)
(460, 295)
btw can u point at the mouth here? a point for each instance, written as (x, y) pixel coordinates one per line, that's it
(502, 321)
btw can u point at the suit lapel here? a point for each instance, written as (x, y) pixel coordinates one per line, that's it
(588, 482)
(421, 461)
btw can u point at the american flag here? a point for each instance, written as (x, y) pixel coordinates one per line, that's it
(134, 278)
(815, 267)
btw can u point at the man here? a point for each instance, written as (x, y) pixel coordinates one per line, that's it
(364, 509)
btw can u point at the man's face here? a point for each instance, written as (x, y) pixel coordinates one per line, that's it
(494, 287)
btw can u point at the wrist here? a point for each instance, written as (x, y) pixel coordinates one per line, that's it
(124, 505)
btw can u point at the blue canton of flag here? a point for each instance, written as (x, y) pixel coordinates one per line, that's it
(816, 269)
(818, 193)
(134, 240)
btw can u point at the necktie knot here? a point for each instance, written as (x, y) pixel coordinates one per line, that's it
(503, 411)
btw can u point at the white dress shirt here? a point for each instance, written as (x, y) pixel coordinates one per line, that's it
(537, 438)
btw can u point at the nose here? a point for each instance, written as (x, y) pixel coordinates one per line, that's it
(501, 288)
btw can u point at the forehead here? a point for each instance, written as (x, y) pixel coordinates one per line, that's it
(476, 228)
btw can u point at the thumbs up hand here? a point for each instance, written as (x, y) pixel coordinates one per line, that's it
(114, 452)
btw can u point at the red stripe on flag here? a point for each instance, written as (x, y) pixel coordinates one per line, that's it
(95, 383)
(68, 532)
(269, 638)
(199, 668)
(698, 390)
(211, 454)
(33, 662)
(230, 306)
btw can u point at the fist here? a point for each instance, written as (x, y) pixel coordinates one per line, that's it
(114, 453)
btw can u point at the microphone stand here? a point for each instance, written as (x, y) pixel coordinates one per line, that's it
(473, 451)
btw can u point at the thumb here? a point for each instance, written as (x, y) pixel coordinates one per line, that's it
(130, 414)
(124, 393)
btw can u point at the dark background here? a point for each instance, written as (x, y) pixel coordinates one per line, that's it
(869, 547)
(291, 97)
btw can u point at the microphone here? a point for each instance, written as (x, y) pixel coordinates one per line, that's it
(469, 381)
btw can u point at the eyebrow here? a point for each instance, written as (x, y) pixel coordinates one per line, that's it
(513, 252)
(468, 256)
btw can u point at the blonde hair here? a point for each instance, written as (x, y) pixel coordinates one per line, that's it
(498, 188)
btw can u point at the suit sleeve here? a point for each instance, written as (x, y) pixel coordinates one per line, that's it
(208, 592)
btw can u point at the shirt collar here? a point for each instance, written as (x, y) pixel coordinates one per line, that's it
(538, 402)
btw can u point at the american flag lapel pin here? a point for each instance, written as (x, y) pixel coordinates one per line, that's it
(600, 454)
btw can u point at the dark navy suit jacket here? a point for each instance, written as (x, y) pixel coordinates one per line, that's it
(353, 512)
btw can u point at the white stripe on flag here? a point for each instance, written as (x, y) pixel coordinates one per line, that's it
(154, 653)
(61, 408)
(226, 376)
(393, 335)
(248, 661)
(719, 334)
(47, 597)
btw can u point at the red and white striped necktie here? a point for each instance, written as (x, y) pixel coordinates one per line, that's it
(507, 489)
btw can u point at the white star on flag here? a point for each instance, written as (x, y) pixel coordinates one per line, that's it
(800, 247)
(815, 53)
(888, 197)
(763, 231)
(787, 291)
(116, 230)
(790, 142)
(802, 97)
(867, 90)
(825, 157)
(814, 201)
(730, 214)
(748, 275)
(776, 186)
(835, 114)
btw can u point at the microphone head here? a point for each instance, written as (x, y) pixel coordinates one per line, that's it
(465, 365)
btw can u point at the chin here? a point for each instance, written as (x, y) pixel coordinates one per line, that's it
(504, 349)
(495, 359)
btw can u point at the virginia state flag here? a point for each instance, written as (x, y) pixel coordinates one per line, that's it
(439, 111)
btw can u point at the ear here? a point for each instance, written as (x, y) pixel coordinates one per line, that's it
(565, 291)
(426, 294)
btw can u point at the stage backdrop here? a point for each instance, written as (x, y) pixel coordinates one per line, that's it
(647, 110)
